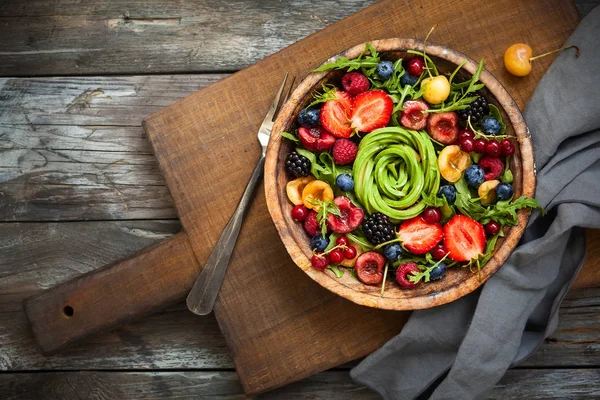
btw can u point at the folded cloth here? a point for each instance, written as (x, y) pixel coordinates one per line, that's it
(474, 340)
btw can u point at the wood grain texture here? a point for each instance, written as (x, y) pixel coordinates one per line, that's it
(268, 353)
(523, 384)
(63, 38)
(41, 255)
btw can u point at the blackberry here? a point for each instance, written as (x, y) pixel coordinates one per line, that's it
(378, 228)
(297, 165)
(477, 110)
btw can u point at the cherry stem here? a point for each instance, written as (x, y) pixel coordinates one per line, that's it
(577, 52)
(384, 278)
(425, 50)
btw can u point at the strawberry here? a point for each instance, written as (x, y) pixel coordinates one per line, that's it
(371, 110)
(369, 268)
(351, 218)
(464, 238)
(335, 115)
(418, 236)
(443, 127)
(311, 226)
(344, 151)
(315, 139)
(413, 116)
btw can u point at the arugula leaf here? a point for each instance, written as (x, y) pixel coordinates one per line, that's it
(416, 277)
(326, 208)
(507, 176)
(329, 93)
(366, 63)
(336, 270)
(460, 100)
(290, 136)
(358, 237)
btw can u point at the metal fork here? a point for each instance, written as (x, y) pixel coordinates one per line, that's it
(202, 297)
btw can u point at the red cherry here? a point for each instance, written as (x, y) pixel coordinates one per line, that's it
(299, 213)
(480, 145)
(336, 256)
(507, 147)
(341, 241)
(320, 261)
(492, 228)
(465, 133)
(432, 215)
(492, 148)
(415, 66)
(350, 253)
(439, 251)
(467, 145)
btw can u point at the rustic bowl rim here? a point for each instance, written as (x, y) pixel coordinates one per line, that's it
(282, 221)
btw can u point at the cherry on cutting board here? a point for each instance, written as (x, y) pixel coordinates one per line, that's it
(517, 58)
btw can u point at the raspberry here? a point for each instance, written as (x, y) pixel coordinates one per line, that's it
(344, 151)
(355, 83)
(310, 224)
(402, 274)
(492, 167)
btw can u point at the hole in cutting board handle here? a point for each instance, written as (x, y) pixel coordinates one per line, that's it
(68, 311)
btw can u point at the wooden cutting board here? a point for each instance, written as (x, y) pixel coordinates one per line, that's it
(280, 326)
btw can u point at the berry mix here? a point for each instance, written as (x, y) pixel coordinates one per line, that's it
(400, 172)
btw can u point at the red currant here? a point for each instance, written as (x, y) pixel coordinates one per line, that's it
(341, 241)
(492, 148)
(467, 145)
(432, 215)
(320, 261)
(439, 251)
(492, 228)
(336, 256)
(480, 145)
(299, 213)
(465, 133)
(507, 147)
(415, 66)
(350, 252)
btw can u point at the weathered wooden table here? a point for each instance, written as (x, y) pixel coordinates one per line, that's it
(79, 188)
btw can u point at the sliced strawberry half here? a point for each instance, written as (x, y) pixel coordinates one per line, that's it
(371, 110)
(316, 139)
(351, 218)
(335, 115)
(413, 116)
(443, 127)
(464, 238)
(369, 268)
(418, 236)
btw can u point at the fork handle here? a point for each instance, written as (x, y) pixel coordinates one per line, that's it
(203, 295)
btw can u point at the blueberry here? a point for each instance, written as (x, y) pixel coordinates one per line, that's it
(449, 191)
(504, 191)
(385, 69)
(309, 117)
(491, 126)
(392, 252)
(345, 182)
(408, 79)
(438, 272)
(319, 243)
(474, 175)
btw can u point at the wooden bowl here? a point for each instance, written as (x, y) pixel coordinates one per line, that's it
(458, 281)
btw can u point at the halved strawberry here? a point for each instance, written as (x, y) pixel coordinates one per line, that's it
(369, 268)
(443, 127)
(413, 116)
(316, 139)
(335, 115)
(351, 218)
(418, 236)
(371, 110)
(464, 238)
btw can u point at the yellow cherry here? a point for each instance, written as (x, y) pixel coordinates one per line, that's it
(437, 89)
(486, 192)
(452, 162)
(517, 58)
(294, 189)
(314, 192)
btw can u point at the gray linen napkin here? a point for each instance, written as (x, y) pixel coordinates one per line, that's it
(477, 338)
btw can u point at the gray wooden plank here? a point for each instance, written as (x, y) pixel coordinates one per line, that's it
(100, 37)
(329, 385)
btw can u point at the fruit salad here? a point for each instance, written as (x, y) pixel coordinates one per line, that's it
(399, 172)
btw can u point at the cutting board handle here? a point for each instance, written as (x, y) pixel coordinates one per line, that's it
(158, 276)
